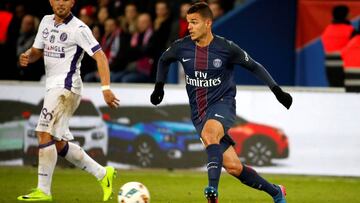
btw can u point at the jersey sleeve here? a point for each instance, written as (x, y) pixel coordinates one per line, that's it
(39, 42)
(85, 39)
(240, 57)
(165, 60)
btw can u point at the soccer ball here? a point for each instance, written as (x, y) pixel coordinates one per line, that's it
(133, 192)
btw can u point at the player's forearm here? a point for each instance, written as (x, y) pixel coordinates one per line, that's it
(162, 70)
(103, 68)
(34, 54)
(262, 74)
(104, 72)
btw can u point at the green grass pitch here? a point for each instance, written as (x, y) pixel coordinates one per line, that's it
(74, 185)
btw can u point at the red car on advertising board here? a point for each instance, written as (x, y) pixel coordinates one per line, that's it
(258, 144)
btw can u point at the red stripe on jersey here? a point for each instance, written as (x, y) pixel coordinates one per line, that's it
(201, 94)
(201, 58)
(201, 63)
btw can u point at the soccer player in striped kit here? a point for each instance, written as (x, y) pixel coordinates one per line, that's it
(62, 39)
(208, 61)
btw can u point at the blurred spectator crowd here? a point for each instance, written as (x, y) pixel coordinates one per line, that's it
(132, 33)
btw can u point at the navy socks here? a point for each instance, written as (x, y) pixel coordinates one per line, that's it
(214, 164)
(248, 175)
(250, 178)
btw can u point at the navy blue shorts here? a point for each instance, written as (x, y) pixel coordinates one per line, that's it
(223, 111)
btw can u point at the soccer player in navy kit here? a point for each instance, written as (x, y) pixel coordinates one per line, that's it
(208, 62)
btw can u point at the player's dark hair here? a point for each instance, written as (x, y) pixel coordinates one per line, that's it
(201, 8)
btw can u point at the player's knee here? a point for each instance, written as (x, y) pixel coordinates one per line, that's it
(209, 137)
(44, 137)
(60, 145)
(234, 169)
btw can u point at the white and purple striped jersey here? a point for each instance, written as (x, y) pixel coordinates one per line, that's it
(63, 46)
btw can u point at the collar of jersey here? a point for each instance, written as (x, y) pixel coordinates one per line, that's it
(66, 20)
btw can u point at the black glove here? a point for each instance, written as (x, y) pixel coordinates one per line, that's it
(158, 93)
(283, 97)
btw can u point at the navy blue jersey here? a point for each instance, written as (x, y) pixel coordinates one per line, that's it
(209, 71)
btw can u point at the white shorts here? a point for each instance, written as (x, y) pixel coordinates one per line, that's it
(59, 106)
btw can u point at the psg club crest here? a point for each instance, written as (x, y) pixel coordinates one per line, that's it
(217, 63)
(45, 33)
(63, 37)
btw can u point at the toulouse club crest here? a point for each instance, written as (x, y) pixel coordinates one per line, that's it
(63, 37)
(217, 63)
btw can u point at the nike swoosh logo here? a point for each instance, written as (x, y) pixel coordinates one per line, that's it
(184, 60)
(220, 116)
(108, 185)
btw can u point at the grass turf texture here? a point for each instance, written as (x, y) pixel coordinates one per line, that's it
(73, 185)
